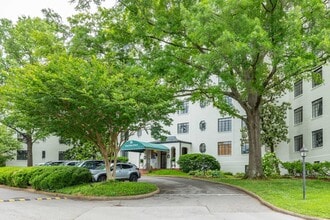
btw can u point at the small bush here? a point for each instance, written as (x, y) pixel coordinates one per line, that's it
(207, 173)
(191, 162)
(270, 165)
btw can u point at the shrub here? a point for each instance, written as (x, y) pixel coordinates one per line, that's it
(44, 178)
(122, 159)
(270, 165)
(190, 162)
(207, 173)
(52, 178)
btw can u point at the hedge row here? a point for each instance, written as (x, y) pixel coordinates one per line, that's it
(44, 178)
(321, 169)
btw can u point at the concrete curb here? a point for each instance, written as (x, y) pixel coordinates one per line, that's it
(82, 197)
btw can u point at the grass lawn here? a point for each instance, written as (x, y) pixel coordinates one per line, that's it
(110, 189)
(282, 193)
(287, 194)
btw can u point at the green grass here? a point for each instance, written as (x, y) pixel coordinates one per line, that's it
(287, 194)
(282, 193)
(110, 189)
(167, 172)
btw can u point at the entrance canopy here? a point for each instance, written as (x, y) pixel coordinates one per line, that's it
(139, 146)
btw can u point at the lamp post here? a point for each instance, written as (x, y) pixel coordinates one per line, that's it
(303, 153)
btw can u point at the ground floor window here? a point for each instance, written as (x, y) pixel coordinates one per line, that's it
(224, 148)
(22, 155)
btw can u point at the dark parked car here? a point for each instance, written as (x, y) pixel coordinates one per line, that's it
(124, 171)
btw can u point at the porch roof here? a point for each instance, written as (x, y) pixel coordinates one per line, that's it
(139, 146)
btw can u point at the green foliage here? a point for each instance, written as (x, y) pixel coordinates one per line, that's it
(82, 151)
(191, 162)
(270, 165)
(122, 159)
(8, 145)
(167, 172)
(254, 49)
(274, 128)
(110, 189)
(207, 173)
(52, 178)
(318, 170)
(287, 194)
(44, 178)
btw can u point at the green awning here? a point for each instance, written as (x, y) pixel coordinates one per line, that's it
(139, 146)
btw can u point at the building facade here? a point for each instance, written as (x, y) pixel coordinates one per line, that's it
(200, 124)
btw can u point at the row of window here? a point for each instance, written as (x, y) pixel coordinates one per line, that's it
(316, 80)
(224, 125)
(225, 148)
(317, 110)
(185, 105)
(317, 140)
(22, 155)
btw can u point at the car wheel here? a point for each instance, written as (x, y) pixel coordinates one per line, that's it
(102, 178)
(133, 178)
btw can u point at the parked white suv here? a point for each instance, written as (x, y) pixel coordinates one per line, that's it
(124, 171)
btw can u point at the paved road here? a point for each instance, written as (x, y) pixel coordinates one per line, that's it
(178, 199)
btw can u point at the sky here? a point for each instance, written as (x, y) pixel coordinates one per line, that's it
(12, 9)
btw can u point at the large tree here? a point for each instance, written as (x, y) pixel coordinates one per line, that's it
(90, 101)
(251, 50)
(28, 41)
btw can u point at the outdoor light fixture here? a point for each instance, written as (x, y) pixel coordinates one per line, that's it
(303, 153)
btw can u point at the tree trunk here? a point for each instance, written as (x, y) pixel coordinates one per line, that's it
(255, 170)
(29, 145)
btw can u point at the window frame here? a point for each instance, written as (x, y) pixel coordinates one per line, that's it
(298, 115)
(225, 124)
(180, 128)
(317, 108)
(21, 155)
(298, 142)
(315, 142)
(225, 148)
(298, 88)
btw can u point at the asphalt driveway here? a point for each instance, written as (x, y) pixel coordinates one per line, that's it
(178, 199)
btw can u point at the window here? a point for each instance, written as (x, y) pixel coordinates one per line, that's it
(224, 148)
(298, 115)
(224, 124)
(22, 155)
(184, 108)
(245, 148)
(43, 154)
(183, 128)
(202, 125)
(228, 100)
(61, 155)
(317, 77)
(317, 138)
(298, 88)
(298, 142)
(203, 103)
(139, 132)
(317, 108)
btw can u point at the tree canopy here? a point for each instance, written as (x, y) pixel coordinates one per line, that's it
(251, 50)
(8, 145)
(84, 89)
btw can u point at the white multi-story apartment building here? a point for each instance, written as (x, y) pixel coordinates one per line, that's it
(201, 124)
